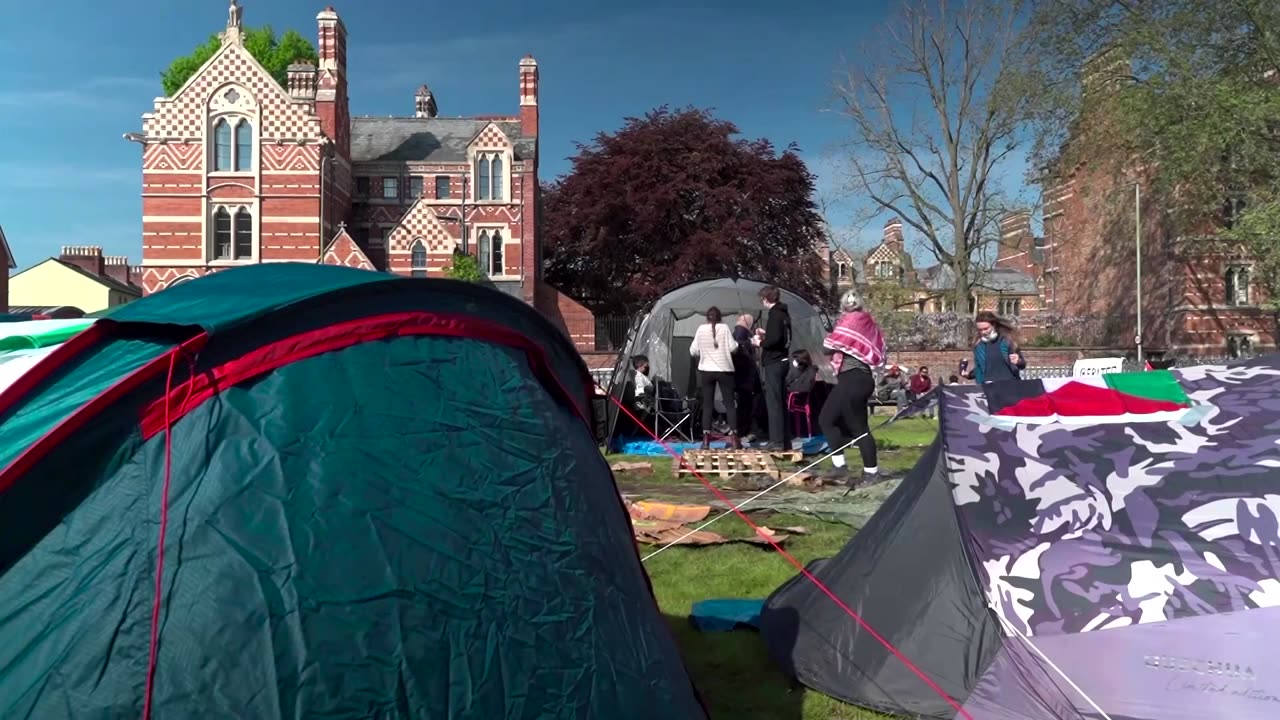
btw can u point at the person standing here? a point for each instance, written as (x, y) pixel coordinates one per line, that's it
(774, 340)
(996, 357)
(857, 349)
(746, 375)
(714, 346)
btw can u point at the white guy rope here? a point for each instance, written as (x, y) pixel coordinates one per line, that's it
(1010, 627)
(755, 497)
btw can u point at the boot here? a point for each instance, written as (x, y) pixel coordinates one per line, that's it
(734, 442)
(706, 441)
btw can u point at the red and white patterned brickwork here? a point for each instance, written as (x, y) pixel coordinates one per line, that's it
(491, 138)
(184, 117)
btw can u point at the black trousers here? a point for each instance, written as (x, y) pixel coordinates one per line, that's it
(844, 415)
(709, 381)
(746, 402)
(775, 401)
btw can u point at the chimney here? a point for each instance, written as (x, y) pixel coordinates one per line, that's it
(86, 257)
(529, 96)
(331, 81)
(302, 81)
(117, 267)
(424, 103)
(893, 233)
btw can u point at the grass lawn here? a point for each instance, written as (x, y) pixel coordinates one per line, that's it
(733, 672)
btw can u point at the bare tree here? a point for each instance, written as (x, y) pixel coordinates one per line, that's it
(936, 102)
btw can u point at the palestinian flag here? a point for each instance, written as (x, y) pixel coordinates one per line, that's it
(1152, 396)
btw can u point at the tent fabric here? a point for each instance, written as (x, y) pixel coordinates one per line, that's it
(1012, 559)
(409, 523)
(666, 329)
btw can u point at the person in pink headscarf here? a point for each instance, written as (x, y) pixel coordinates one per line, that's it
(857, 350)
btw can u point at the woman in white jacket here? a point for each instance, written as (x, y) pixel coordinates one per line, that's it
(714, 346)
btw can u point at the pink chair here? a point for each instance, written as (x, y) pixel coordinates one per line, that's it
(798, 407)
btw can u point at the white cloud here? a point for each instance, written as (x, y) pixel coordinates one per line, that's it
(92, 94)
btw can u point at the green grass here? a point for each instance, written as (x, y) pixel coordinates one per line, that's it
(732, 671)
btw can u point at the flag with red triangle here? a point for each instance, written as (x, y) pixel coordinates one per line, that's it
(1151, 396)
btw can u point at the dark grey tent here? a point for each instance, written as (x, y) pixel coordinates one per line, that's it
(1072, 548)
(665, 330)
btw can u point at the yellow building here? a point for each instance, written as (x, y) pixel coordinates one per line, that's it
(81, 277)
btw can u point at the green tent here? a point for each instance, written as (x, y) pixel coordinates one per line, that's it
(291, 490)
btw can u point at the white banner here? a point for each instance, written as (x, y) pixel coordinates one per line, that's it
(1098, 366)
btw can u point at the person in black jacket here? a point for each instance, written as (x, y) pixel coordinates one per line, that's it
(774, 340)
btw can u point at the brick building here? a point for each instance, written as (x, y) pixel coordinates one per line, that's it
(1013, 287)
(1196, 298)
(238, 169)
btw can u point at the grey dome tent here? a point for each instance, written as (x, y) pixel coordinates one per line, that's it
(665, 330)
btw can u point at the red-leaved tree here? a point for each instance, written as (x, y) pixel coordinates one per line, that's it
(676, 197)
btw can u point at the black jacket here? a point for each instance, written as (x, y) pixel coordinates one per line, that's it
(776, 344)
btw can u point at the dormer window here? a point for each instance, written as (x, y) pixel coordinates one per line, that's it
(232, 145)
(885, 269)
(489, 177)
(418, 259)
(842, 271)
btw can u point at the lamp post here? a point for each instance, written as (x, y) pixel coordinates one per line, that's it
(1137, 249)
(461, 218)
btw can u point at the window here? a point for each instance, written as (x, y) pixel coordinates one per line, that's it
(973, 304)
(362, 187)
(229, 156)
(842, 271)
(489, 177)
(442, 187)
(1009, 307)
(390, 188)
(244, 234)
(415, 187)
(1232, 208)
(884, 269)
(489, 252)
(418, 259)
(232, 234)
(222, 146)
(1237, 285)
(244, 146)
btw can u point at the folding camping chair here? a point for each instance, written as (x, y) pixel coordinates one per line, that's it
(672, 414)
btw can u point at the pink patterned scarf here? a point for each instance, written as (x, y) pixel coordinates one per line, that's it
(856, 333)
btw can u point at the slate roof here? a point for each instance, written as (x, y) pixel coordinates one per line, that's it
(106, 280)
(1001, 280)
(375, 139)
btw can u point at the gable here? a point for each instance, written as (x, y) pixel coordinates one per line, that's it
(55, 277)
(490, 137)
(344, 251)
(421, 223)
(884, 252)
(8, 254)
(184, 116)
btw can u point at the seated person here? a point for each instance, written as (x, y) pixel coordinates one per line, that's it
(892, 388)
(645, 389)
(802, 374)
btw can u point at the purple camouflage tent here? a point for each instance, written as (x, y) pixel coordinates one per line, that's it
(1119, 570)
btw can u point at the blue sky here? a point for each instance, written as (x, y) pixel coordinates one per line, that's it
(76, 74)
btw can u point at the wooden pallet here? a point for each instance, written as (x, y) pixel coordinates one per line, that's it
(726, 463)
(794, 456)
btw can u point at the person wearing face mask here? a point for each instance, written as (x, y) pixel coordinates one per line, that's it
(997, 356)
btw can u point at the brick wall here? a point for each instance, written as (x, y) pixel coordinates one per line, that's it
(576, 321)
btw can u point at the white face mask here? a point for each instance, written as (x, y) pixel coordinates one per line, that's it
(795, 363)
(991, 335)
